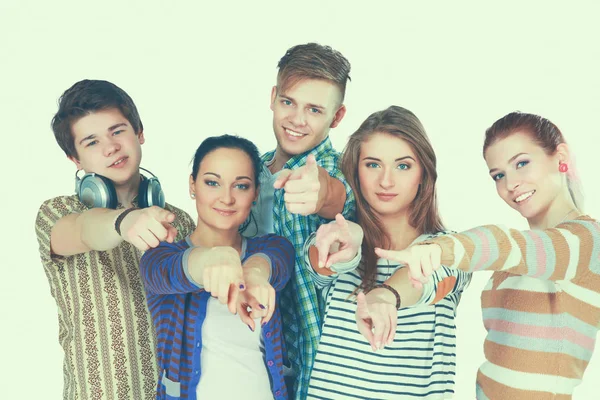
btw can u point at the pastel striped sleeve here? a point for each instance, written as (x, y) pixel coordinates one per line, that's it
(280, 254)
(164, 269)
(566, 252)
(443, 282)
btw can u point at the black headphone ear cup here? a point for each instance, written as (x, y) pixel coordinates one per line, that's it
(150, 193)
(96, 191)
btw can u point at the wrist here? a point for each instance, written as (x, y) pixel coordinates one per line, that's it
(121, 217)
(388, 294)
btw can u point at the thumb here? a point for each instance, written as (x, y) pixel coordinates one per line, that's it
(362, 308)
(398, 256)
(166, 216)
(283, 177)
(311, 161)
(341, 221)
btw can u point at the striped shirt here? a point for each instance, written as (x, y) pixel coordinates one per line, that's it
(105, 328)
(541, 307)
(421, 361)
(300, 303)
(178, 306)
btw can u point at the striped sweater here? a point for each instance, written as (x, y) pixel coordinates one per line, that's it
(541, 307)
(178, 307)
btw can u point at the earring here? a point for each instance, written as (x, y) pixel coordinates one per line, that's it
(193, 195)
(254, 203)
(563, 167)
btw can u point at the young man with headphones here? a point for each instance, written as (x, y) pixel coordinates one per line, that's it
(90, 244)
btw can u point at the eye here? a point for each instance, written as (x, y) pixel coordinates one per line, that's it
(91, 143)
(242, 186)
(521, 164)
(372, 165)
(117, 132)
(497, 177)
(403, 166)
(315, 110)
(211, 183)
(286, 102)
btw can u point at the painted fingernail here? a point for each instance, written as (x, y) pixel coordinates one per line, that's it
(263, 324)
(261, 306)
(249, 327)
(241, 286)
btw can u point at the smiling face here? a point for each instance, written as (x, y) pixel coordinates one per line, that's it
(224, 189)
(107, 145)
(389, 174)
(303, 115)
(526, 177)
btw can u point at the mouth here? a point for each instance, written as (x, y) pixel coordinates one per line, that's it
(225, 213)
(293, 135)
(119, 163)
(523, 197)
(386, 196)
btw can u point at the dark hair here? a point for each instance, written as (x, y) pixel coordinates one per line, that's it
(313, 61)
(543, 132)
(86, 97)
(424, 217)
(230, 142)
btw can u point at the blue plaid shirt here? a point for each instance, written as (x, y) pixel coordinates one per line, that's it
(300, 302)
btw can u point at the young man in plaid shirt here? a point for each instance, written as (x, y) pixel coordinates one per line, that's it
(302, 186)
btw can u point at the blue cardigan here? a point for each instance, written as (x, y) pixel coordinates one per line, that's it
(178, 308)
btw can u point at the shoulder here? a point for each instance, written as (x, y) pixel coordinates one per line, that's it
(183, 221)
(55, 208)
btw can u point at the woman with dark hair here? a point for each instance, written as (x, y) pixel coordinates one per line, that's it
(408, 348)
(196, 287)
(541, 307)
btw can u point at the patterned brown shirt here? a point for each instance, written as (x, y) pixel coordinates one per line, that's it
(105, 328)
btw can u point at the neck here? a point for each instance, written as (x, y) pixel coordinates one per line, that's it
(400, 232)
(279, 160)
(208, 237)
(560, 210)
(127, 191)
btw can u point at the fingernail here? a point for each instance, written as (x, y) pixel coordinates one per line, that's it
(241, 286)
(263, 324)
(261, 306)
(249, 327)
(378, 345)
(320, 264)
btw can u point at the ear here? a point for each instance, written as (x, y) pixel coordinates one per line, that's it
(273, 96)
(339, 115)
(141, 137)
(76, 162)
(562, 153)
(192, 186)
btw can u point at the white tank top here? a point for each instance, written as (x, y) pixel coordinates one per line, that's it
(232, 361)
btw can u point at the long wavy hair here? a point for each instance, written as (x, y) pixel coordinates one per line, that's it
(424, 216)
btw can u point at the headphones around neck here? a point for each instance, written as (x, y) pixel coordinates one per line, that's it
(96, 191)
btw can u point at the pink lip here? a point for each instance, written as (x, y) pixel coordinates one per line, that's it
(225, 213)
(386, 196)
(121, 164)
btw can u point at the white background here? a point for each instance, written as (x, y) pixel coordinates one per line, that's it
(199, 70)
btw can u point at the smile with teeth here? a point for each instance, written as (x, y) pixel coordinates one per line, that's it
(294, 134)
(524, 196)
(119, 161)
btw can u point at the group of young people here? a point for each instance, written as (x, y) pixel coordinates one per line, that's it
(309, 273)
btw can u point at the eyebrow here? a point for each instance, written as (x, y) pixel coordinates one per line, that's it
(237, 178)
(397, 159)
(509, 161)
(311, 105)
(110, 129)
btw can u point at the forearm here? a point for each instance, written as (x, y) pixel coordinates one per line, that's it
(258, 264)
(332, 195)
(91, 230)
(400, 281)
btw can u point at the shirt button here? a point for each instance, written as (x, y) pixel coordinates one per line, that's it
(197, 372)
(268, 334)
(197, 344)
(270, 363)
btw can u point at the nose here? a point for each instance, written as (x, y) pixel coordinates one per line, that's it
(298, 118)
(111, 147)
(386, 179)
(227, 197)
(512, 182)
